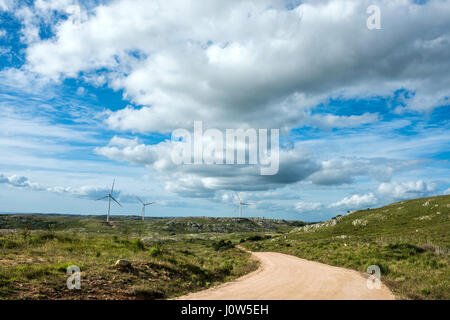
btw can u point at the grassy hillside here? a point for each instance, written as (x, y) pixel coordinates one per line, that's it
(169, 257)
(408, 240)
(134, 224)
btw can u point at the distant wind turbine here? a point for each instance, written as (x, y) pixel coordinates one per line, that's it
(110, 197)
(240, 204)
(143, 207)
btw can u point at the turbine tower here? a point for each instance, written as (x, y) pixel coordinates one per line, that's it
(110, 197)
(143, 207)
(240, 204)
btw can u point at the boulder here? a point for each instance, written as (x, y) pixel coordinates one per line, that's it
(123, 264)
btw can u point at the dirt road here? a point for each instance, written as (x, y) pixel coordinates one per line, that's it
(285, 277)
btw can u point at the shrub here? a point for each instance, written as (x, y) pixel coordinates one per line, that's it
(10, 244)
(222, 245)
(226, 267)
(142, 292)
(425, 291)
(256, 238)
(401, 251)
(139, 245)
(46, 236)
(25, 233)
(155, 251)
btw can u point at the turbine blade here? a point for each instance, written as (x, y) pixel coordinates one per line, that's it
(101, 198)
(115, 200)
(112, 189)
(140, 200)
(147, 204)
(238, 196)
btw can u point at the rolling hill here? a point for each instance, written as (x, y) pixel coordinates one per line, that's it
(408, 240)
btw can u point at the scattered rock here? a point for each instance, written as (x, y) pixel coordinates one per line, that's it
(316, 226)
(123, 264)
(426, 204)
(423, 218)
(359, 222)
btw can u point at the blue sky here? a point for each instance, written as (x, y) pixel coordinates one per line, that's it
(91, 91)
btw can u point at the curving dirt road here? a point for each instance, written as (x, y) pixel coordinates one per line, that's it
(285, 277)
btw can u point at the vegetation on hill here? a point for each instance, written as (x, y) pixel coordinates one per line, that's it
(408, 240)
(134, 224)
(33, 266)
(168, 257)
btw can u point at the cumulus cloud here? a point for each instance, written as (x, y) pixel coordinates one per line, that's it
(356, 201)
(296, 165)
(88, 192)
(406, 190)
(258, 63)
(18, 181)
(5, 5)
(242, 64)
(345, 170)
(203, 180)
(303, 206)
(122, 149)
(333, 121)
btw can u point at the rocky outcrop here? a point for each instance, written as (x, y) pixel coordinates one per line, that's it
(317, 226)
(359, 222)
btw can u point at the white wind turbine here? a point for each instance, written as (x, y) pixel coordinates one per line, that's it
(110, 197)
(240, 204)
(143, 206)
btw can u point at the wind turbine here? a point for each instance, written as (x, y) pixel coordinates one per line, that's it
(110, 197)
(240, 204)
(143, 207)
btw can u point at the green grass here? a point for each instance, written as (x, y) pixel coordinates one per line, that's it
(408, 240)
(35, 267)
(126, 225)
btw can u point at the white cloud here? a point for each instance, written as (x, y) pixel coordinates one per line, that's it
(6, 5)
(344, 170)
(87, 192)
(406, 190)
(303, 206)
(18, 181)
(355, 201)
(447, 191)
(257, 63)
(204, 180)
(332, 121)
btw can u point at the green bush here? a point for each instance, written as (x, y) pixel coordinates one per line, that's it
(155, 251)
(256, 238)
(226, 267)
(9, 244)
(425, 291)
(222, 245)
(139, 245)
